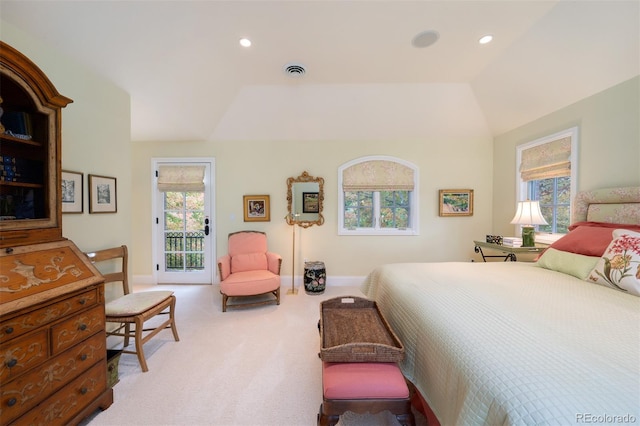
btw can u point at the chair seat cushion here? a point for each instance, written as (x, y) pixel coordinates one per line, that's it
(363, 380)
(249, 283)
(135, 303)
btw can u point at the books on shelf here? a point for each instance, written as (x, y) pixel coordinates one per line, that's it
(17, 124)
(512, 241)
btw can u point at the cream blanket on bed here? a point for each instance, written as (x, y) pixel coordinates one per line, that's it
(512, 343)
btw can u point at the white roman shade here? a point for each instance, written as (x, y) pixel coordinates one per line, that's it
(181, 178)
(378, 175)
(547, 160)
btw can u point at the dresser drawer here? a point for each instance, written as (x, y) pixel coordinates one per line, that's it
(77, 328)
(63, 405)
(18, 396)
(19, 325)
(19, 355)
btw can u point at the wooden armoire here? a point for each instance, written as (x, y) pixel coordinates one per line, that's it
(53, 367)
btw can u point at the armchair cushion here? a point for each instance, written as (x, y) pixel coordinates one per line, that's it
(248, 262)
(250, 283)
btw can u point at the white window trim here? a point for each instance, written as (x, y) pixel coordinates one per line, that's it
(413, 228)
(521, 186)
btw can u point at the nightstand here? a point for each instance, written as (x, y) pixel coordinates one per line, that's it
(508, 253)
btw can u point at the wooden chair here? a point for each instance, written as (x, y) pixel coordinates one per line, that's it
(132, 310)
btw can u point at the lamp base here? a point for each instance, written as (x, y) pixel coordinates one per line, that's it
(528, 236)
(292, 291)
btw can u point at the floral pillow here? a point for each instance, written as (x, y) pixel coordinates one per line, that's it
(619, 266)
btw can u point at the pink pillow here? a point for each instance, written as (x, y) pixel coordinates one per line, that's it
(248, 262)
(589, 238)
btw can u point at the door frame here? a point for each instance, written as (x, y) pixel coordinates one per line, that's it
(209, 190)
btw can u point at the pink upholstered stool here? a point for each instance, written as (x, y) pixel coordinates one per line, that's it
(363, 387)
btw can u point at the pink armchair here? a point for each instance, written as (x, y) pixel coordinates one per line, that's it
(249, 270)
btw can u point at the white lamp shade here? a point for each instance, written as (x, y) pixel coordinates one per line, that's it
(528, 214)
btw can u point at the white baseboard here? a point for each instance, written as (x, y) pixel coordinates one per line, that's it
(338, 281)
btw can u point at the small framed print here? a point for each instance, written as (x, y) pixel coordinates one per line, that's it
(256, 208)
(103, 194)
(310, 202)
(72, 192)
(456, 202)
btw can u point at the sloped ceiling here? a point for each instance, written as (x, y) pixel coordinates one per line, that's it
(190, 80)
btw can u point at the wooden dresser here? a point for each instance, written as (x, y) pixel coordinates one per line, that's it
(53, 368)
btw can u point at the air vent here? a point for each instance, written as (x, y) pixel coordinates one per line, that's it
(294, 70)
(425, 39)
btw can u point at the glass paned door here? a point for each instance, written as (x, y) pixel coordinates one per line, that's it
(184, 229)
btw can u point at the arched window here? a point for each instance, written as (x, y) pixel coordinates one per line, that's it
(378, 195)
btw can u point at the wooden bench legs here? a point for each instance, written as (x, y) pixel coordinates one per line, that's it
(330, 410)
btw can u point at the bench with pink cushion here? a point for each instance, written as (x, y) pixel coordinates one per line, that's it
(362, 387)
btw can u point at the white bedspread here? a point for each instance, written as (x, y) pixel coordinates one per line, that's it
(510, 343)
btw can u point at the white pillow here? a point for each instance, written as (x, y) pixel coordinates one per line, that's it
(619, 267)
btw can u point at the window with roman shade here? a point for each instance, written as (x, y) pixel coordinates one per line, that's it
(181, 178)
(377, 196)
(547, 173)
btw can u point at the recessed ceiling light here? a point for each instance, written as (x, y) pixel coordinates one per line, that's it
(245, 42)
(425, 39)
(485, 39)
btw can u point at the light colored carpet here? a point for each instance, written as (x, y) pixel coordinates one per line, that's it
(257, 366)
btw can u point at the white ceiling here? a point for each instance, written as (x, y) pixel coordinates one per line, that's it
(190, 80)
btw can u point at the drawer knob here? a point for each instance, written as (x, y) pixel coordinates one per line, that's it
(11, 402)
(8, 330)
(11, 363)
(82, 327)
(82, 301)
(83, 391)
(83, 357)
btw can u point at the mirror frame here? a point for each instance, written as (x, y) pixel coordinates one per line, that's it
(305, 177)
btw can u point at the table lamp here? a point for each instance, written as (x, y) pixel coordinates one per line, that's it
(527, 215)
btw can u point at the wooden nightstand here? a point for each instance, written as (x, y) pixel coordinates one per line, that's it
(508, 253)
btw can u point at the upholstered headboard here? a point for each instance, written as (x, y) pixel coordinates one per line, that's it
(611, 205)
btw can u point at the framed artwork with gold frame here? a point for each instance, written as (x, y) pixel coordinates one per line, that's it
(456, 202)
(256, 208)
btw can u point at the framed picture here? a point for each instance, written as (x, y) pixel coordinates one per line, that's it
(72, 192)
(256, 208)
(310, 202)
(103, 195)
(456, 202)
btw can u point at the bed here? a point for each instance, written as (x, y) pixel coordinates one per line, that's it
(511, 343)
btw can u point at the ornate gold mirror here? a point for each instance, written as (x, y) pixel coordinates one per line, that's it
(305, 195)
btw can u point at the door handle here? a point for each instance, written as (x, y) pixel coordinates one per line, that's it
(206, 230)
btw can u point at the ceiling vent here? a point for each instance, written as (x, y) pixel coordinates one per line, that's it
(425, 39)
(295, 70)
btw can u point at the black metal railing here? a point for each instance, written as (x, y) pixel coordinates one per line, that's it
(184, 250)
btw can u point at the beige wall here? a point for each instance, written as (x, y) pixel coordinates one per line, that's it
(95, 138)
(262, 168)
(608, 146)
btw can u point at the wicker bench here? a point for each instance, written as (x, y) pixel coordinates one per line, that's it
(363, 387)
